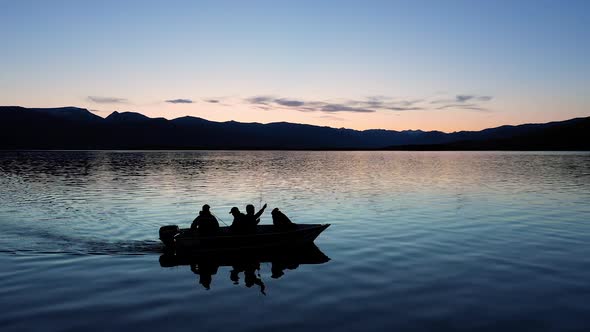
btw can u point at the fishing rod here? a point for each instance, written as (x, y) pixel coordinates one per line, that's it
(260, 190)
(213, 214)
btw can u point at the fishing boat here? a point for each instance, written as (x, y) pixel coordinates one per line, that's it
(226, 239)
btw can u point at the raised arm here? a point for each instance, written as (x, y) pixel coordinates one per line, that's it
(259, 213)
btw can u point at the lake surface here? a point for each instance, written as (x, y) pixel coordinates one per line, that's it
(419, 241)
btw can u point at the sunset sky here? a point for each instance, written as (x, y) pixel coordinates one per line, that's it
(445, 65)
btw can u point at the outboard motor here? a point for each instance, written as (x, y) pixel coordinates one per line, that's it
(167, 234)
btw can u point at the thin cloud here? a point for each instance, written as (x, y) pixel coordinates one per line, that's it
(269, 102)
(387, 103)
(263, 100)
(463, 98)
(370, 104)
(264, 107)
(220, 101)
(107, 100)
(463, 102)
(473, 107)
(333, 108)
(289, 102)
(179, 101)
(401, 108)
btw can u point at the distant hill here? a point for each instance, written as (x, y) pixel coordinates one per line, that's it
(77, 128)
(573, 135)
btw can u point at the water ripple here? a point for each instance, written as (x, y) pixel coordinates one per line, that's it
(419, 240)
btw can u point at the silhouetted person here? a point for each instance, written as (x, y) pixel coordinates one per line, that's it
(239, 223)
(246, 222)
(205, 270)
(250, 278)
(280, 220)
(253, 218)
(205, 222)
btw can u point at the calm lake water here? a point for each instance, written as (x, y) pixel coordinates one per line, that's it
(425, 241)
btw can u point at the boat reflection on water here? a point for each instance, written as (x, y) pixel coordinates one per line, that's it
(248, 263)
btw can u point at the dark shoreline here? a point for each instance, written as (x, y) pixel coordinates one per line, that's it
(72, 128)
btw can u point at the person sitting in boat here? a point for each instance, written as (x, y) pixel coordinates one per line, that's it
(252, 218)
(205, 222)
(246, 222)
(280, 220)
(239, 223)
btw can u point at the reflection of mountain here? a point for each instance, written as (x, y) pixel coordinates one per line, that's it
(248, 262)
(76, 128)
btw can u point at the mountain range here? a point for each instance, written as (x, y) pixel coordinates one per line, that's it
(78, 128)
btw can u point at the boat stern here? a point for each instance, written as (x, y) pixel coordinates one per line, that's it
(168, 233)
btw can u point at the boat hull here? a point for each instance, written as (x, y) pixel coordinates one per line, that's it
(265, 236)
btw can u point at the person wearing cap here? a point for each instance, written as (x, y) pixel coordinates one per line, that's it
(205, 222)
(238, 224)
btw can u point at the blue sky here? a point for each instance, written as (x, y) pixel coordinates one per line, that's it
(448, 65)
